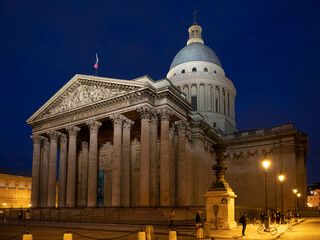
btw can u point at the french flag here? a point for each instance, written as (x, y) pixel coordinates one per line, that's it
(97, 60)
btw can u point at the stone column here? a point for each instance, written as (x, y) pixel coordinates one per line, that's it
(214, 109)
(206, 97)
(172, 166)
(44, 171)
(198, 98)
(117, 156)
(72, 166)
(36, 170)
(126, 164)
(226, 103)
(153, 159)
(145, 156)
(63, 171)
(220, 100)
(52, 176)
(84, 174)
(189, 93)
(93, 163)
(182, 168)
(164, 157)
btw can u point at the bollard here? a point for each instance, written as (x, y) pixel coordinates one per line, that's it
(199, 232)
(141, 235)
(172, 235)
(149, 232)
(27, 236)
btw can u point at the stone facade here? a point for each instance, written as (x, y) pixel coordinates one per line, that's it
(15, 191)
(129, 143)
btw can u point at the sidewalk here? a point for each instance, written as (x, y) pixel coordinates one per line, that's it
(183, 232)
(251, 232)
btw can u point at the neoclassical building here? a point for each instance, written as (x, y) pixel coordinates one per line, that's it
(149, 143)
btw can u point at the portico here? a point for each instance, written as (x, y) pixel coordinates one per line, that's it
(97, 132)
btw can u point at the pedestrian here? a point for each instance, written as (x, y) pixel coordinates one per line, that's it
(20, 216)
(171, 219)
(243, 220)
(289, 218)
(278, 216)
(27, 218)
(198, 219)
(262, 215)
(273, 217)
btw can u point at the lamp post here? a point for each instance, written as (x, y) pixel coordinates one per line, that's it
(295, 190)
(298, 196)
(266, 164)
(281, 178)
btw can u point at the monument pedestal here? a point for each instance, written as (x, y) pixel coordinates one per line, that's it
(220, 209)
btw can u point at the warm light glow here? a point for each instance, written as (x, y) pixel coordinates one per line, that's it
(266, 164)
(281, 177)
(309, 205)
(295, 190)
(298, 195)
(29, 205)
(4, 204)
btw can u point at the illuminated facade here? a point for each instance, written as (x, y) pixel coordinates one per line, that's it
(314, 199)
(15, 190)
(149, 143)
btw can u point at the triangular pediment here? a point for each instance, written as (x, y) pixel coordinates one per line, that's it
(83, 91)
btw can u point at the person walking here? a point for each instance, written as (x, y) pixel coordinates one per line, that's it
(262, 215)
(289, 218)
(27, 218)
(243, 220)
(20, 216)
(278, 216)
(171, 219)
(198, 219)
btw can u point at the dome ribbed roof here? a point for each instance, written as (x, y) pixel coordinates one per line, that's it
(195, 52)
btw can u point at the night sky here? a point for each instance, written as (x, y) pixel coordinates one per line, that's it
(269, 49)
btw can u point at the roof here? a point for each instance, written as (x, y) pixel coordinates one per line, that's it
(195, 52)
(15, 172)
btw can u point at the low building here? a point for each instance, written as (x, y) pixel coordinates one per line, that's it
(15, 188)
(314, 199)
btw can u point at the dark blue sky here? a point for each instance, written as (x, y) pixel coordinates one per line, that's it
(269, 49)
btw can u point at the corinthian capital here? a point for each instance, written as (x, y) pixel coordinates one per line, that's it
(63, 138)
(45, 143)
(127, 123)
(165, 114)
(84, 145)
(117, 120)
(153, 117)
(73, 131)
(37, 139)
(94, 125)
(53, 135)
(181, 125)
(144, 112)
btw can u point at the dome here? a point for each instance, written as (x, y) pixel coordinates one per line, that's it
(195, 52)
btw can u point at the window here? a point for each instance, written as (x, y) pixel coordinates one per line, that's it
(215, 71)
(194, 103)
(12, 185)
(194, 69)
(183, 71)
(205, 69)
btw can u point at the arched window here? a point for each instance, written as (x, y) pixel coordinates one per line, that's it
(205, 69)
(183, 71)
(192, 32)
(215, 71)
(194, 69)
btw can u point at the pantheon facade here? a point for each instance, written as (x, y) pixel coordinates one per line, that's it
(127, 143)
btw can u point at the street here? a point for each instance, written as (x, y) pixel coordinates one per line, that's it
(309, 229)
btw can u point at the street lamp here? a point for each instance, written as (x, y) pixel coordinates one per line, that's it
(295, 190)
(266, 164)
(298, 195)
(281, 178)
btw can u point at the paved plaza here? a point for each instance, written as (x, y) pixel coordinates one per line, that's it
(55, 230)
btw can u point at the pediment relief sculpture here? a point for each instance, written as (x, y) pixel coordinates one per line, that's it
(80, 96)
